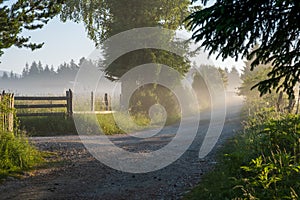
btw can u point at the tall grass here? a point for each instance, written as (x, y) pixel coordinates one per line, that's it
(59, 125)
(47, 125)
(16, 153)
(263, 162)
(114, 123)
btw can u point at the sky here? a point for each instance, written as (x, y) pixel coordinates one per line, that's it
(63, 42)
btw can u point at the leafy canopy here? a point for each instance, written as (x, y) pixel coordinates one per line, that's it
(234, 27)
(105, 18)
(22, 15)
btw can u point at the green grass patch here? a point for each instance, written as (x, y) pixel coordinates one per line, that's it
(118, 123)
(263, 162)
(17, 154)
(108, 124)
(47, 125)
(59, 125)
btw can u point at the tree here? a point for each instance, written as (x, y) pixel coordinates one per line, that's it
(12, 75)
(234, 80)
(224, 77)
(40, 67)
(4, 76)
(47, 69)
(201, 90)
(29, 15)
(25, 71)
(73, 65)
(105, 18)
(52, 70)
(253, 100)
(33, 70)
(232, 28)
(203, 85)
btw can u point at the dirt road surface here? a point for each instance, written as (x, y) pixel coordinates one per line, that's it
(81, 176)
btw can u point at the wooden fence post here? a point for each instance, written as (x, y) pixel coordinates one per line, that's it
(7, 115)
(10, 118)
(109, 103)
(92, 101)
(1, 114)
(69, 95)
(106, 101)
(68, 102)
(71, 101)
(298, 102)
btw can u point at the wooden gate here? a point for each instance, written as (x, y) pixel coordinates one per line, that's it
(42, 102)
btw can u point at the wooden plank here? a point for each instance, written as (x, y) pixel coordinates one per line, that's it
(10, 114)
(93, 112)
(33, 98)
(41, 114)
(41, 106)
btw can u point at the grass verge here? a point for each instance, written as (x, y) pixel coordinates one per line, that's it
(263, 162)
(17, 154)
(47, 125)
(59, 125)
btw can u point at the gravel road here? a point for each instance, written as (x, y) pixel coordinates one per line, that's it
(81, 176)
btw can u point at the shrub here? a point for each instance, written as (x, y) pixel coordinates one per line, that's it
(151, 94)
(275, 172)
(16, 153)
(263, 162)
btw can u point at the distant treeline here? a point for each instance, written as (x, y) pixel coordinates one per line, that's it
(38, 70)
(234, 79)
(38, 78)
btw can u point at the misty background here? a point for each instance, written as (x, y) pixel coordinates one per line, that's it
(39, 78)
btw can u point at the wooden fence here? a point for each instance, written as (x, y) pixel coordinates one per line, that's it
(66, 104)
(6, 111)
(9, 103)
(102, 105)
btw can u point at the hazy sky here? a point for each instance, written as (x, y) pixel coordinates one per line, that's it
(63, 42)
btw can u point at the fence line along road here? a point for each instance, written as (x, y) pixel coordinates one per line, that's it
(68, 105)
(7, 102)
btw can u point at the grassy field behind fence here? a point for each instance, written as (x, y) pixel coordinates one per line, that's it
(64, 125)
(60, 125)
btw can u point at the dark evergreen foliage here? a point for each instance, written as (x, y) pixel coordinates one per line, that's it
(234, 27)
(22, 15)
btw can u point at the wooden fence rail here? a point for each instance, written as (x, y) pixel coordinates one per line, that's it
(40, 98)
